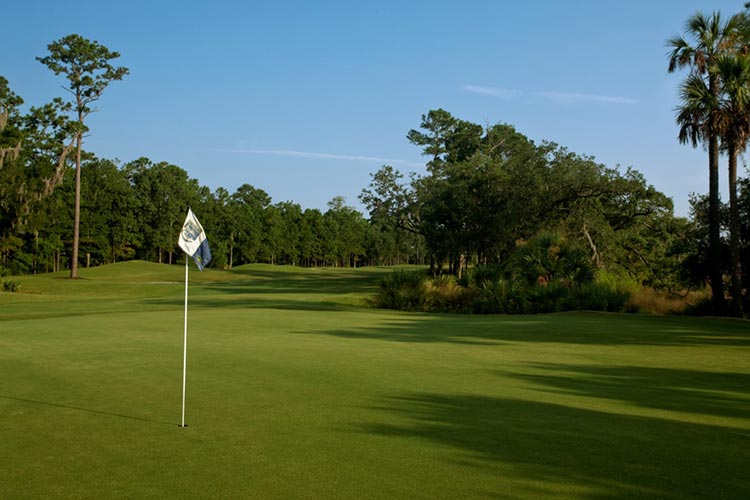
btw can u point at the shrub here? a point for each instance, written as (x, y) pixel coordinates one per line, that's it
(500, 297)
(548, 258)
(490, 298)
(702, 307)
(403, 290)
(598, 296)
(617, 280)
(485, 274)
(445, 294)
(652, 301)
(11, 286)
(552, 297)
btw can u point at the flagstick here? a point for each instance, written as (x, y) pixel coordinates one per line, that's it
(184, 351)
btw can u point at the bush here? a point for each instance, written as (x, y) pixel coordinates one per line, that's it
(599, 296)
(403, 290)
(553, 297)
(445, 294)
(652, 301)
(487, 293)
(501, 297)
(703, 307)
(11, 286)
(485, 274)
(617, 280)
(548, 258)
(490, 298)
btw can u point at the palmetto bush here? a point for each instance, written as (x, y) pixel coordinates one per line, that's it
(485, 274)
(501, 297)
(403, 290)
(546, 274)
(548, 258)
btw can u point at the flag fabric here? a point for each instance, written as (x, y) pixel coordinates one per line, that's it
(193, 241)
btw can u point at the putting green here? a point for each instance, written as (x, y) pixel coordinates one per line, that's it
(295, 390)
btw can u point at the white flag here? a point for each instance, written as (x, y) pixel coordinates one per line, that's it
(193, 241)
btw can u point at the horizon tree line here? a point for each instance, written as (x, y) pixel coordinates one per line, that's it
(487, 190)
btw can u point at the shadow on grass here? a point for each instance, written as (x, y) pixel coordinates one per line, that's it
(251, 302)
(568, 328)
(87, 410)
(303, 290)
(689, 391)
(541, 449)
(302, 281)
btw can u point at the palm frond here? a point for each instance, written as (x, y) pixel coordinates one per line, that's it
(732, 113)
(681, 54)
(694, 113)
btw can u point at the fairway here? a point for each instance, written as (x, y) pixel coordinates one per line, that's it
(297, 390)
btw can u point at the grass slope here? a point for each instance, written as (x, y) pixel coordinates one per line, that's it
(295, 392)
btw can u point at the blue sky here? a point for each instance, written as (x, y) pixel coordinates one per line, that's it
(306, 99)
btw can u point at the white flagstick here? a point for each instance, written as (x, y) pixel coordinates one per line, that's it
(184, 351)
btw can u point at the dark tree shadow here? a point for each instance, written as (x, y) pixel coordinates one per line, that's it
(302, 281)
(548, 445)
(568, 328)
(690, 391)
(264, 289)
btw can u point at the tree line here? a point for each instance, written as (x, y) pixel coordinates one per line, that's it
(135, 211)
(487, 191)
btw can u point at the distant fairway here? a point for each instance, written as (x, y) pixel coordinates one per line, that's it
(296, 391)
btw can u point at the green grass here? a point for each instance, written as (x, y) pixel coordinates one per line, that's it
(296, 391)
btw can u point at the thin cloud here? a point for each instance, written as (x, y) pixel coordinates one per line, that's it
(322, 156)
(556, 96)
(566, 96)
(494, 91)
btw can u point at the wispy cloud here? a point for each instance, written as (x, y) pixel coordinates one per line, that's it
(556, 96)
(567, 96)
(323, 156)
(493, 91)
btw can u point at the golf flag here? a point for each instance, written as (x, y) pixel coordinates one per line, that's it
(193, 241)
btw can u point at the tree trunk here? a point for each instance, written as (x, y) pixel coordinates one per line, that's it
(231, 251)
(734, 236)
(714, 222)
(77, 209)
(714, 226)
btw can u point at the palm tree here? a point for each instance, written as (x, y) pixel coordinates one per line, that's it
(734, 128)
(712, 37)
(729, 115)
